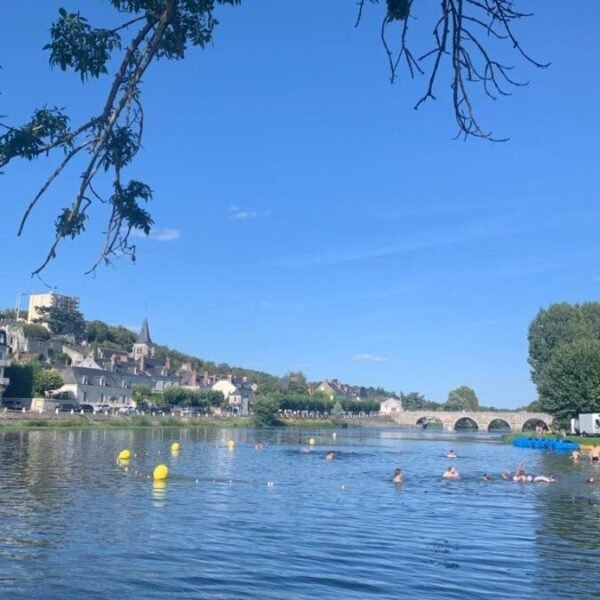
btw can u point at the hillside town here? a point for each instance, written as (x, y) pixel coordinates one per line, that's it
(98, 377)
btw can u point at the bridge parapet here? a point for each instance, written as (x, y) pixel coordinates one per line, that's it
(514, 419)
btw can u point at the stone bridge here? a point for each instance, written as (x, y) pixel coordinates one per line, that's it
(449, 419)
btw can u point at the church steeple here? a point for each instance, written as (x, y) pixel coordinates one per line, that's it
(144, 335)
(143, 346)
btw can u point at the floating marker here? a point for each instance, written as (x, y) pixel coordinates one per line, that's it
(230, 444)
(312, 441)
(161, 472)
(124, 455)
(175, 447)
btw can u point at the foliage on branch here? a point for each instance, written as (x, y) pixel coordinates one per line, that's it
(107, 142)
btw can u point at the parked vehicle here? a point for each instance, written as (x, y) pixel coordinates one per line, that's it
(67, 407)
(86, 408)
(103, 408)
(12, 404)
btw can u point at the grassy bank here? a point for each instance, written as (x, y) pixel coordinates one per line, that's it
(87, 421)
(24, 421)
(508, 438)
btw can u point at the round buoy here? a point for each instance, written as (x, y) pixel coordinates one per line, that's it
(124, 455)
(161, 472)
(312, 441)
(175, 447)
(230, 444)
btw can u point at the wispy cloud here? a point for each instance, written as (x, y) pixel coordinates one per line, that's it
(168, 234)
(472, 231)
(238, 213)
(369, 358)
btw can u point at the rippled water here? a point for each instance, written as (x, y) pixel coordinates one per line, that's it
(73, 524)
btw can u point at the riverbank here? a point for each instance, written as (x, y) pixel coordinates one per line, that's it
(32, 420)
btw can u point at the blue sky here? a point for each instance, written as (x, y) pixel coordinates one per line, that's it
(308, 218)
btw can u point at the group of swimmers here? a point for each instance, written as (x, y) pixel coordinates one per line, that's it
(520, 475)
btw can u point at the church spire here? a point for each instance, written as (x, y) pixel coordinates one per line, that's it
(144, 335)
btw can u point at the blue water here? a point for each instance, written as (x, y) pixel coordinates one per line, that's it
(283, 523)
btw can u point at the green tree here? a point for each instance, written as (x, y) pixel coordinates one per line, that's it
(8, 314)
(140, 393)
(45, 380)
(551, 328)
(62, 320)
(296, 382)
(416, 401)
(337, 414)
(118, 337)
(144, 31)
(21, 381)
(33, 331)
(266, 412)
(462, 398)
(570, 382)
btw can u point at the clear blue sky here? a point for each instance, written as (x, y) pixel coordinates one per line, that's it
(308, 218)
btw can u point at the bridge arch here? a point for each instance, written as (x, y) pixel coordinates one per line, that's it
(499, 424)
(466, 422)
(430, 422)
(531, 424)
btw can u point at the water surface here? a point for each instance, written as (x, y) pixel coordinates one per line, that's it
(283, 522)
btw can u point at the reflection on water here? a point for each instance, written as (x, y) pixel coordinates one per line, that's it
(281, 521)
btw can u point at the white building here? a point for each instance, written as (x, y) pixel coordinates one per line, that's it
(98, 387)
(391, 406)
(37, 301)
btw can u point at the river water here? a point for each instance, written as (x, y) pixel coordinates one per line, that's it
(285, 523)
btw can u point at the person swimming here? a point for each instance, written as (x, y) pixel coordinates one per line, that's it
(505, 475)
(590, 479)
(485, 477)
(544, 478)
(575, 455)
(451, 454)
(398, 476)
(451, 473)
(330, 455)
(595, 454)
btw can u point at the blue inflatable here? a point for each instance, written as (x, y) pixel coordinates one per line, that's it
(557, 445)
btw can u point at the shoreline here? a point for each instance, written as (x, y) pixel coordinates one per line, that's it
(31, 420)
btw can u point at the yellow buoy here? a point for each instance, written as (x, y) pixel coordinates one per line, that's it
(161, 472)
(312, 441)
(230, 444)
(124, 455)
(175, 447)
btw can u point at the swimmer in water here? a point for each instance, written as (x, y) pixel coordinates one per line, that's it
(595, 454)
(451, 473)
(398, 477)
(505, 475)
(485, 477)
(544, 479)
(575, 455)
(590, 479)
(330, 455)
(451, 454)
